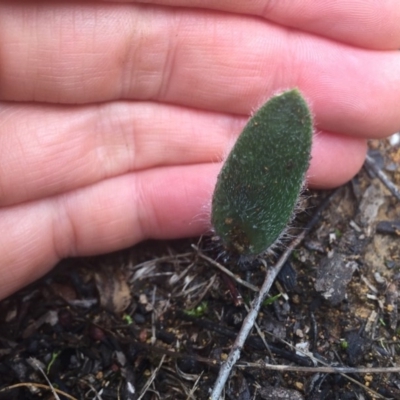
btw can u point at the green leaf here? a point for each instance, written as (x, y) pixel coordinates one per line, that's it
(271, 299)
(261, 180)
(198, 311)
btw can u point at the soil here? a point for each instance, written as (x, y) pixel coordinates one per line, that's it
(156, 321)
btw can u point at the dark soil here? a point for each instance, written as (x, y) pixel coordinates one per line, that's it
(156, 321)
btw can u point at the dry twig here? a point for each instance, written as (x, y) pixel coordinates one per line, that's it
(35, 363)
(226, 270)
(371, 164)
(151, 379)
(40, 386)
(250, 319)
(322, 370)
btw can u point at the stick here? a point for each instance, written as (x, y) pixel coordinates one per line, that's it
(250, 319)
(369, 161)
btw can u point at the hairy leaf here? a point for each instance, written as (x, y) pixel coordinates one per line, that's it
(259, 185)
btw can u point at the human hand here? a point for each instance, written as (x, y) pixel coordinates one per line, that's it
(114, 117)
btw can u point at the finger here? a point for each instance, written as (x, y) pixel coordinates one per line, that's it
(195, 58)
(114, 214)
(335, 159)
(167, 202)
(47, 150)
(368, 23)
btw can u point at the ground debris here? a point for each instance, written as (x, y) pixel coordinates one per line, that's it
(114, 293)
(389, 227)
(356, 347)
(159, 320)
(333, 276)
(337, 268)
(279, 393)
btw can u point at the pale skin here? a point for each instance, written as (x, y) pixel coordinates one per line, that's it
(114, 117)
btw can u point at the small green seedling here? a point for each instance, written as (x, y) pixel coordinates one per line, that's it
(198, 311)
(338, 233)
(259, 185)
(271, 299)
(344, 344)
(128, 319)
(54, 356)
